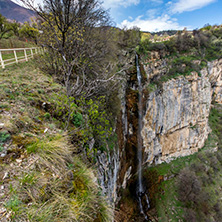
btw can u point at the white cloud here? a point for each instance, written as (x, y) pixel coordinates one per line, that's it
(117, 3)
(160, 23)
(157, 1)
(189, 5)
(152, 13)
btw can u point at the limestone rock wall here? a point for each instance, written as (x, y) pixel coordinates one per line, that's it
(175, 120)
(215, 77)
(155, 66)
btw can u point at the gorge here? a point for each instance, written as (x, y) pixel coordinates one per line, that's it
(172, 119)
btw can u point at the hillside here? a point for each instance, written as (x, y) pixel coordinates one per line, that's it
(14, 11)
(39, 169)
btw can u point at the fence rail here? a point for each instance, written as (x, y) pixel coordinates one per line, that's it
(16, 55)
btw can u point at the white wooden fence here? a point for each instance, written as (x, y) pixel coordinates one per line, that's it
(16, 55)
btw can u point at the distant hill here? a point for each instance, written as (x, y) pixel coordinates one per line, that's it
(13, 11)
(165, 32)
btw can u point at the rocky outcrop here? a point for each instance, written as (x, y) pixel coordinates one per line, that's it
(155, 65)
(215, 77)
(176, 116)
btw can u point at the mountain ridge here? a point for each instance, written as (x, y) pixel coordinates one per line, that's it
(13, 11)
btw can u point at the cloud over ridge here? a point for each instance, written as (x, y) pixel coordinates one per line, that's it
(189, 5)
(164, 22)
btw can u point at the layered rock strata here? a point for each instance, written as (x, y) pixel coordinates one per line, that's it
(176, 116)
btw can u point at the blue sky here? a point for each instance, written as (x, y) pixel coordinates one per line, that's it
(157, 15)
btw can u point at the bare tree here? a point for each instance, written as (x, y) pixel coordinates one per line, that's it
(77, 35)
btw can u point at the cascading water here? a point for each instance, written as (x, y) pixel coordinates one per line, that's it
(140, 192)
(139, 148)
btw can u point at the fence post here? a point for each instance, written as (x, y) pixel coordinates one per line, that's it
(16, 59)
(31, 52)
(26, 58)
(1, 60)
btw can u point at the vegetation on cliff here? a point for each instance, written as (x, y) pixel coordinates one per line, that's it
(185, 52)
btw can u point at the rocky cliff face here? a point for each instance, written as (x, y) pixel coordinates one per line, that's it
(156, 65)
(176, 116)
(176, 119)
(215, 77)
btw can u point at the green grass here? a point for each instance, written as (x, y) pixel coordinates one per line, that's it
(14, 42)
(49, 182)
(168, 206)
(4, 136)
(10, 54)
(13, 204)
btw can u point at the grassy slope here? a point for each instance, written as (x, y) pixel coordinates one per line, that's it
(14, 42)
(41, 178)
(207, 167)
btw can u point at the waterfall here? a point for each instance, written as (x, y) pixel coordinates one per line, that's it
(139, 139)
(140, 192)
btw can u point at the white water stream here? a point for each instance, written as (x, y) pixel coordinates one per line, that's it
(140, 192)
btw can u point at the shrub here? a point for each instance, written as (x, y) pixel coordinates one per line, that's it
(4, 137)
(47, 115)
(189, 187)
(190, 215)
(77, 119)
